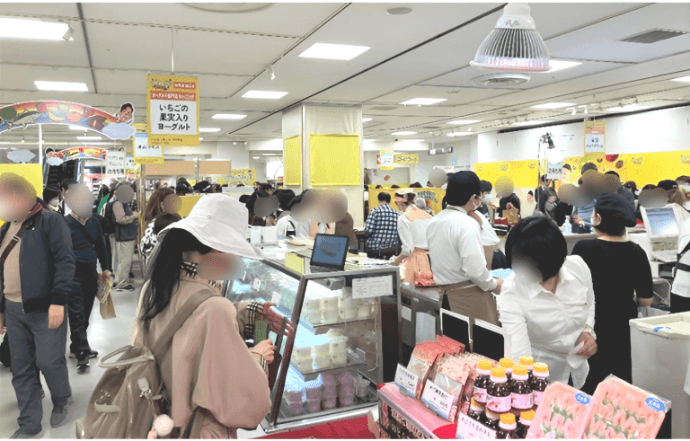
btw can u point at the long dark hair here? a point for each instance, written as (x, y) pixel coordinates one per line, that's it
(153, 205)
(165, 276)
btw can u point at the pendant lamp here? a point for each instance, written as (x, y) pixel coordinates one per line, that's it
(514, 45)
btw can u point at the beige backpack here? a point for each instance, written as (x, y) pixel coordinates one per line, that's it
(131, 393)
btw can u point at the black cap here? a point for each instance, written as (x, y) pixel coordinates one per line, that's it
(668, 184)
(614, 209)
(461, 187)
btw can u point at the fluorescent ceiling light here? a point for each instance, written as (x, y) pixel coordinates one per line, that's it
(364, 120)
(403, 133)
(232, 116)
(201, 138)
(460, 134)
(89, 138)
(556, 65)
(255, 157)
(77, 128)
(462, 122)
(61, 86)
(334, 51)
(629, 108)
(412, 140)
(32, 29)
(264, 94)
(553, 105)
(530, 123)
(209, 129)
(423, 101)
(682, 79)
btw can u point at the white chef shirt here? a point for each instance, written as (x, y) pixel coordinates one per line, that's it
(412, 234)
(456, 251)
(489, 237)
(546, 326)
(681, 282)
(284, 224)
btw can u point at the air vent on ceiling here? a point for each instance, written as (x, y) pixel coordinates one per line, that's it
(383, 108)
(501, 79)
(653, 36)
(430, 128)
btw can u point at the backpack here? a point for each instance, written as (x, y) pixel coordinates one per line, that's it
(108, 221)
(131, 393)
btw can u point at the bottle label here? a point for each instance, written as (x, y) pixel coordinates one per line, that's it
(537, 397)
(469, 428)
(499, 404)
(480, 395)
(522, 401)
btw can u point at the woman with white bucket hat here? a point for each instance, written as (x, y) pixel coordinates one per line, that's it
(209, 367)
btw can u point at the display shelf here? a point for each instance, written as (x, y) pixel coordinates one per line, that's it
(320, 326)
(351, 363)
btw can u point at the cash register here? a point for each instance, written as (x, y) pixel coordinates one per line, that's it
(663, 228)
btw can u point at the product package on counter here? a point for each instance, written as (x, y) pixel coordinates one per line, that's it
(563, 413)
(455, 347)
(623, 410)
(451, 377)
(422, 362)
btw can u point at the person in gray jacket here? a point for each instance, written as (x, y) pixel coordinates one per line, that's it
(35, 283)
(125, 235)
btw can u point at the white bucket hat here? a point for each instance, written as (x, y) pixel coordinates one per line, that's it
(220, 222)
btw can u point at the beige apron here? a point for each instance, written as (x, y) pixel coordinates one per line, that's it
(468, 299)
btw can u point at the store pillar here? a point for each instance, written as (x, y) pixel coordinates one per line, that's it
(322, 148)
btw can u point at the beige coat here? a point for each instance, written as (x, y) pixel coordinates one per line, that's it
(210, 366)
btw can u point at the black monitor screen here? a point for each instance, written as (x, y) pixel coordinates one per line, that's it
(456, 328)
(487, 342)
(330, 251)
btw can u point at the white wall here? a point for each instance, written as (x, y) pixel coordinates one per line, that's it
(656, 131)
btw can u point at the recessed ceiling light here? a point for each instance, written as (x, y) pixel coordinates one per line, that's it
(232, 116)
(452, 135)
(77, 128)
(628, 108)
(530, 123)
(682, 79)
(89, 138)
(255, 157)
(61, 86)
(556, 65)
(403, 133)
(32, 29)
(264, 94)
(364, 120)
(398, 11)
(423, 101)
(462, 122)
(334, 51)
(553, 105)
(201, 138)
(209, 129)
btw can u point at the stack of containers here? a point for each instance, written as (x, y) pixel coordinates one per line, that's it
(293, 396)
(346, 389)
(330, 392)
(321, 352)
(301, 355)
(338, 349)
(312, 310)
(313, 393)
(329, 304)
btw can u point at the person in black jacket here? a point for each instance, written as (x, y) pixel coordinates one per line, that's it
(35, 283)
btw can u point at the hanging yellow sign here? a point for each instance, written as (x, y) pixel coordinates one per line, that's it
(405, 158)
(173, 110)
(595, 137)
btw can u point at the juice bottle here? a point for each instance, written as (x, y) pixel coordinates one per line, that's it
(521, 392)
(527, 362)
(507, 428)
(481, 384)
(526, 419)
(476, 411)
(540, 381)
(499, 391)
(491, 419)
(507, 364)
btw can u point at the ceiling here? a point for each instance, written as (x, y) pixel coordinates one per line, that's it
(425, 53)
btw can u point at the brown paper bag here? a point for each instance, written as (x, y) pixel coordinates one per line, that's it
(105, 298)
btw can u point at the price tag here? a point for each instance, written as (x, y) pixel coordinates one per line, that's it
(437, 399)
(469, 428)
(256, 284)
(367, 287)
(276, 298)
(406, 380)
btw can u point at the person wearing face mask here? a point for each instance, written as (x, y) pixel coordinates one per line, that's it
(214, 379)
(547, 205)
(622, 280)
(547, 304)
(457, 257)
(412, 227)
(486, 188)
(52, 196)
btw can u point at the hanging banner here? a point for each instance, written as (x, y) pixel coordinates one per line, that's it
(595, 137)
(554, 159)
(405, 158)
(81, 152)
(130, 166)
(385, 159)
(21, 115)
(115, 165)
(173, 116)
(145, 153)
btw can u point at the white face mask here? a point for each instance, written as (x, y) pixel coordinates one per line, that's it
(487, 199)
(54, 202)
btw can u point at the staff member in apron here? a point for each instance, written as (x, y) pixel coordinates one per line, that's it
(412, 231)
(457, 256)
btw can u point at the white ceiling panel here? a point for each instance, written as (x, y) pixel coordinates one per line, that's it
(114, 46)
(601, 41)
(454, 95)
(15, 77)
(39, 9)
(268, 127)
(48, 53)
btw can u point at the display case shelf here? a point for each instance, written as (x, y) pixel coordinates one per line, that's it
(352, 362)
(321, 326)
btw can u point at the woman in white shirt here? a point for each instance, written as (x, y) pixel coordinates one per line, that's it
(412, 232)
(680, 291)
(547, 305)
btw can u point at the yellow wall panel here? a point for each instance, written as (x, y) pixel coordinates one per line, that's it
(334, 160)
(292, 160)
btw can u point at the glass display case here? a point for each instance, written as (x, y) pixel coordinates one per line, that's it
(346, 340)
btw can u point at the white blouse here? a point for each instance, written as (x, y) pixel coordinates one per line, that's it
(412, 234)
(547, 325)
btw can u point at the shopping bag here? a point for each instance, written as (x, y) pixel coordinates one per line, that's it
(104, 295)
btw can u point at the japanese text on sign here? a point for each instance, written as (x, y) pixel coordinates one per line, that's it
(129, 163)
(366, 287)
(437, 399)
(115, 164)
(173, 104)
(469, 428)
(406, 380)
(145, 153)
(595, 134)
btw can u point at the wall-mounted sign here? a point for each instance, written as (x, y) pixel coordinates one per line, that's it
(115, 164)
(21, 115)
(595, 137)
(173, 116)
(385, 159)
(442, 151)
(144, 153)
(405, 158)
(81, 152)
(245, 176)
(130, 166)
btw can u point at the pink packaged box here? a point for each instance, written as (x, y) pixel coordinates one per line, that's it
(563, 413)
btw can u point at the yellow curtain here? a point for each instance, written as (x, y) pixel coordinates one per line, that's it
(334, 160)
(292, 160)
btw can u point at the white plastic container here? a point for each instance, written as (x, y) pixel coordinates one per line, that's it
(339, 358)
(302, 349)
(330, 402)
(303, 364)
(313, 405)
(347, 401)
(338, 344)
(314, 391)
(347, 313)
(330, 303)
(361, 387)
(364, 310)
(293, 396)
(314, 316)
(330, 316)
(321, 344)
(312, 304)
(296, 408)
(322, 361)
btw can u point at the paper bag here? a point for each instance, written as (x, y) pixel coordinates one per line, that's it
(105, 298)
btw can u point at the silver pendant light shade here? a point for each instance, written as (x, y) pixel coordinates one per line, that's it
(514, 45)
